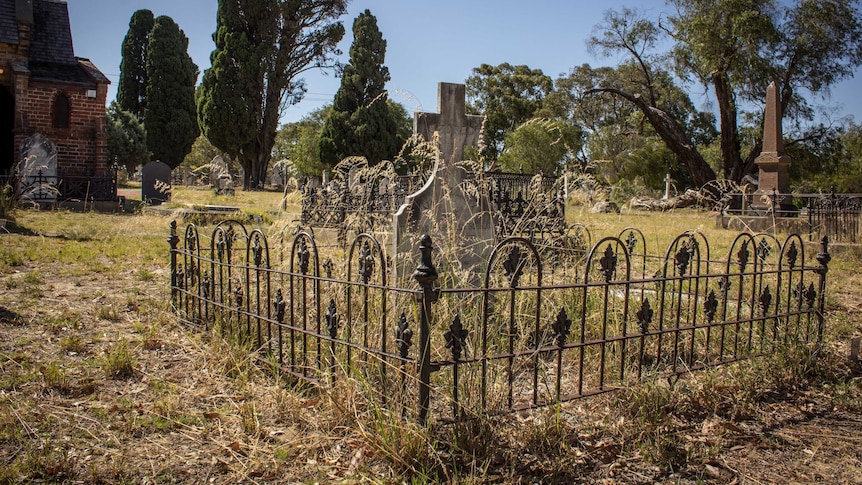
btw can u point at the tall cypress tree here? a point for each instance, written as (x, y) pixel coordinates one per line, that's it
(170, 115)
(361, 123)
(262, 46)
(132, 89)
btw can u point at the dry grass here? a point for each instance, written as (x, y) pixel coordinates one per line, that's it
(98, 384)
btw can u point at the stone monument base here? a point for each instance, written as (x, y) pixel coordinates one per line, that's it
(755, 224)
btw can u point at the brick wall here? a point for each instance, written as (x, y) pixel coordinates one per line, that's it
(82, 147)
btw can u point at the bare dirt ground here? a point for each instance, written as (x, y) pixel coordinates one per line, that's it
(99, 384)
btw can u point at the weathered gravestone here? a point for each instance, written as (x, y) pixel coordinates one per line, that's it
(156, 183)
(37, 169)
(456, 220)
(773, 180)
(218, 167)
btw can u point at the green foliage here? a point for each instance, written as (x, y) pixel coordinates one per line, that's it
(826, 159)
(119, 362)
(170, 115)
(360, 122)
(132, 89)
(202, 153)
(127, 138)
(540, 145)
(262, 46)
(736, 47)
(299, 143)
(508, 96)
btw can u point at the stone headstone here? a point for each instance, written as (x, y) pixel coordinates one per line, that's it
(605, 207)
(442, 208)
(455, 130)
(156, 183)
(217, 167)
(37, 169)
(189, 177)
(773, 179)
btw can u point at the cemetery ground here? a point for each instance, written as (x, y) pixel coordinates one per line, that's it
(99, 384)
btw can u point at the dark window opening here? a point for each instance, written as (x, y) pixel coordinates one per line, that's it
(62, 111)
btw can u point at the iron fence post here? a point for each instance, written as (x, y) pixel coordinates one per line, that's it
(425, 275)
(823, 258)
(173, 240)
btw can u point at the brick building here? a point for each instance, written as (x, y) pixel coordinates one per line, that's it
(45, 89)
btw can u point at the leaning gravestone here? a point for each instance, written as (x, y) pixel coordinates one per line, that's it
(156, 183)
(37, 169)
(218, 167)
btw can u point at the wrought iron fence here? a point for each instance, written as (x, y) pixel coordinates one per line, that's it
(516, 342)
(838, 216)
(39, 187)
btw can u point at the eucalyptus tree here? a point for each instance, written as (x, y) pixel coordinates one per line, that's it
(507, 96)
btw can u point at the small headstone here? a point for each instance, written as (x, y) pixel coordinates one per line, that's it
(189, 177)
(37, 168)
(156, 183)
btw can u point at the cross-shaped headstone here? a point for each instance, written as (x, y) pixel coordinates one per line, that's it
(455, 129)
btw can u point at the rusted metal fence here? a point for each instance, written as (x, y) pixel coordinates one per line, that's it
(838, 216)
(516, 342)
(40, 187)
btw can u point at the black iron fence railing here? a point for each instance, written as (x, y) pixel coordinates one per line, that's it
(516, 341)
(838, 216)
(40, 187)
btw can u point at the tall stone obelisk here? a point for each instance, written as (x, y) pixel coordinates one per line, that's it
(773, 180)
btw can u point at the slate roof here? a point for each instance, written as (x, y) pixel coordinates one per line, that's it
(52, 56)
(8, 22)
(51, 37)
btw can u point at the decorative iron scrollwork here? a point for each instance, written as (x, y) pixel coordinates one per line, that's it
(644, 316)
(366, 263)
(303, 256)
(514, 265)
(221, 246)
(328, 267)
(631, 242)
(331, 319)
(279, 305)
(561, 326)
(791, 255)
(403, 336)
(710, 306)
(181, 277)
(742, 256)
(257, 250)
(765, 300)
(456, 337)
(682, 259)
(205, 285)
(608, 263)
(191, 240)
(763, 250)
(808, 296)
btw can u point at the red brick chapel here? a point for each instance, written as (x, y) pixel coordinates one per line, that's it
(45, 89)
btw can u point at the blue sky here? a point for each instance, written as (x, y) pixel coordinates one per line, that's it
(428, 42)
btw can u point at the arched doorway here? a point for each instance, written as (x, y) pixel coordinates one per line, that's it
(7, 124)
